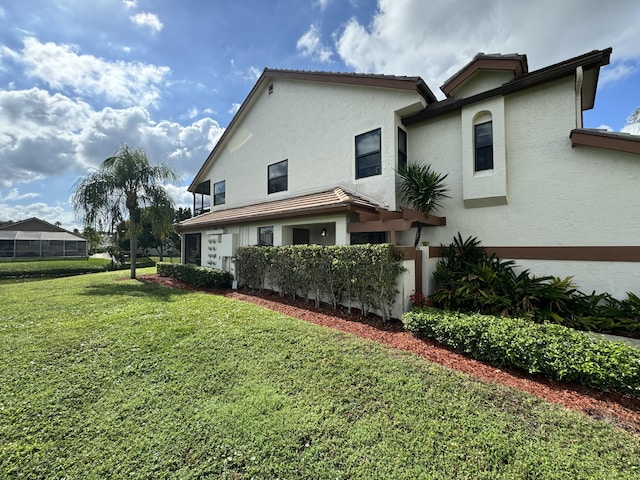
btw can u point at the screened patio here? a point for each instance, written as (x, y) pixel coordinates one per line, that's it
(33, 244)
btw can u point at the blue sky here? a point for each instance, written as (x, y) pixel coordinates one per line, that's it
(80, 77)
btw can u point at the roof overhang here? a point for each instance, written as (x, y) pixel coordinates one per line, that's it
(589, 62)
(335, 201)
(622, 142)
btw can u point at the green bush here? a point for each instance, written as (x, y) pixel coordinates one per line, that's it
(197, 276)
(362, 275)
(547, 349)
(470, 280)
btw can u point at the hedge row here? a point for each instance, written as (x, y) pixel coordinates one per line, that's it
(198, 276)
(362, 275)
(551, 350)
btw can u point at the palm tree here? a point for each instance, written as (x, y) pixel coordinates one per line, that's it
(123, 183)
(422, 189)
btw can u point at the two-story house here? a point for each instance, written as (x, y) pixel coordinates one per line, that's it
(311, 157)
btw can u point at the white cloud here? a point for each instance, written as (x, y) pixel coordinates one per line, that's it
(46, 135)
(13, 196)
(44, 211)
(129, 3)
(62, 68)
(406, 38)
(191, 113)
(234, 108)
(632, 125)
(606, 128)
(251, 74)
(310, 45)
(150, 20)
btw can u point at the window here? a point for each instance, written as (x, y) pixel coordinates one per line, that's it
(360, 238)
(483, 144)
(219, 190)
(368, 158)
(278, 177)
(265, 236)
(402, 148)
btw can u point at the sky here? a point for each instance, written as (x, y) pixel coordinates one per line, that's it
(79, 78)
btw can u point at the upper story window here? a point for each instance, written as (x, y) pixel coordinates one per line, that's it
(402, 148)
(219, 191)
(483, 146)
(265, 236)
(368, 156)
(278, 177)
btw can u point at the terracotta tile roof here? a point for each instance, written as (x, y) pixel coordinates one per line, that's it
(335, 200)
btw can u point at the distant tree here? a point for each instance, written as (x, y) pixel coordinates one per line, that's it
(58, 224)
(92, 236)
(174, 239)
(161, 218)
(423, 189)
(124, 183)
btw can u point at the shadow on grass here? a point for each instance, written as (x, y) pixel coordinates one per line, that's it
(138, 289)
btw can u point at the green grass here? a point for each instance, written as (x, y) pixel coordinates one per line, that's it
(105, 377)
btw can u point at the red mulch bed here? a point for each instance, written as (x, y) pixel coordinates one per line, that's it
(617, 409)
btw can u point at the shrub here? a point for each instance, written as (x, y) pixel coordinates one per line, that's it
(550, 350)
(470, 280)
(363, 275)
(197, 276)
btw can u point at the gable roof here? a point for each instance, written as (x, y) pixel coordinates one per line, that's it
(357, 79)
(34, 224)
(35, 229)
(511, 62)
(336, 200)
(589, 62)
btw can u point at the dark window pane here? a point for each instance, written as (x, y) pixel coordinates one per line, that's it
(402, 148)
(368, 157)
(278, 177)
(265, 236)
(219, 191)
(368, 143)
(483, 141)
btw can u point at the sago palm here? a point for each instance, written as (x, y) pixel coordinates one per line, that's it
(124, 183)
(422, 189)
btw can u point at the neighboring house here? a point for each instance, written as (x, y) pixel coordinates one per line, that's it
(35, 238)
(312, 157)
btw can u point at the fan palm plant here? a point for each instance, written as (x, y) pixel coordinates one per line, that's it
(123, 183)
(422, 189)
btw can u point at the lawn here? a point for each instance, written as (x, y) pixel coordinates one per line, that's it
(105, 377)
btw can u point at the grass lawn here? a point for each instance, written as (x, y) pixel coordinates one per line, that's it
(105, 377)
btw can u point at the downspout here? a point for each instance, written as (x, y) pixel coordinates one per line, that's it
(579, 80)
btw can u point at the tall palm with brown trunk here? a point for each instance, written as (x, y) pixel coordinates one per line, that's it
(422, 189)
(125, 182)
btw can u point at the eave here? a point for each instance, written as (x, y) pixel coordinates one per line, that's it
(590, 63)
(622, 142)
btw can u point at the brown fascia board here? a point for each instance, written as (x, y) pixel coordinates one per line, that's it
(366, 80)
(516, 63)
(592, 60)
(359, 79)
(622, 142)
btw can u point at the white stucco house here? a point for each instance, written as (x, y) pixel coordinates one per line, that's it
(311, 157)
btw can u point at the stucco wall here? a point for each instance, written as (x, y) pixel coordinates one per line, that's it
(313, 125)
(557, 195)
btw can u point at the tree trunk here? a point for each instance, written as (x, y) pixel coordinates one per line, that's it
(418, 235)
(133, 243)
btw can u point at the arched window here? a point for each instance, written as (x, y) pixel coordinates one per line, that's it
(483, 142)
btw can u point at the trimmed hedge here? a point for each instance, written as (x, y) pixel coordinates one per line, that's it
(547, 349)
(197, 276)
(362, 275)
